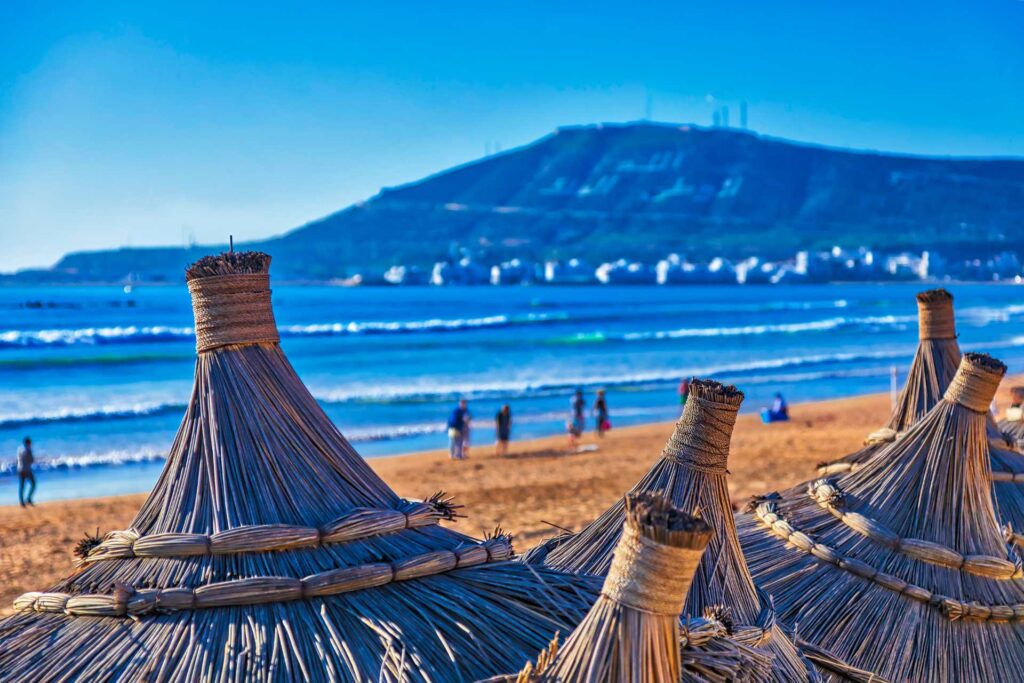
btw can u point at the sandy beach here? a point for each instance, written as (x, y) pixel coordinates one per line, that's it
(537, 487)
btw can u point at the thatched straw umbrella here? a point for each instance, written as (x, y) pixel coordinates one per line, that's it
(692, 473)
(935, 362)
(633, 632)
(269, 550)
(1012, 424)
(933, 368)
(901, 567)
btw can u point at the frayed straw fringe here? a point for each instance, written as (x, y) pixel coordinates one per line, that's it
(633, 633)
(692, 473)
(256, 464)
(870, 602)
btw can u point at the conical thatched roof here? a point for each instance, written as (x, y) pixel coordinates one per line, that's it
(901, 567)
(1012, 424)
(269, 550)
(933, 368)
(632, 633)
(935, 362)
(692, 473)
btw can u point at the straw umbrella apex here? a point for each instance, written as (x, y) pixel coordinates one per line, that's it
(935, 362)
(633, 633)
(692, 473)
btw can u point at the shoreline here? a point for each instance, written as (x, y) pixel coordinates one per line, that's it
(532, 493)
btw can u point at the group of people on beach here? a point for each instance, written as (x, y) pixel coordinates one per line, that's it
(459, 430)
(460, 421)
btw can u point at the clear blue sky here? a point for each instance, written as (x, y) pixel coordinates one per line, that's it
(147, 122)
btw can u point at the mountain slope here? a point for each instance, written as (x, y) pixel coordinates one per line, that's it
(643, 190)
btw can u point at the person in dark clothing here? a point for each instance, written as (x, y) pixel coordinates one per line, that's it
(503, 430)
(458, 431)
(603, 424)
(578, 419)
(25, 474)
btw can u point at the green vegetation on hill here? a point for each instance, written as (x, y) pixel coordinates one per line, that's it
(641, 191)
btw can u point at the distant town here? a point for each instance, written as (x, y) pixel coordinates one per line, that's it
(834, 265)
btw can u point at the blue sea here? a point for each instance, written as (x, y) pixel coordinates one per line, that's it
(99, 377)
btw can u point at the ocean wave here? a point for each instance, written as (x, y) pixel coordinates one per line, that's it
(439, 394)
(92, 335)
(43, 362)
(94, 414)
(128, 334)
(748, 372)
(156, 333)
(69, 462)
(636, 381)
(825, 325)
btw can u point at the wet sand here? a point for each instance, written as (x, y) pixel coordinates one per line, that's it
(539, 486)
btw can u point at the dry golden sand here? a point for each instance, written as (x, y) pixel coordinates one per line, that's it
(536, 486)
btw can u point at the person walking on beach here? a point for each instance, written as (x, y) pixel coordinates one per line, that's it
(577, 419)
(603, 424)
(503, 430)
(25, 460)
(458, 431)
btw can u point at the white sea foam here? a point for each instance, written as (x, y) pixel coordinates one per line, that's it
(132, 334)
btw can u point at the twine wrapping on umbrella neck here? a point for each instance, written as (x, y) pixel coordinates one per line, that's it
(649, 576)
(936, 319)
(702, 435)
(974, 385)
(232, 309)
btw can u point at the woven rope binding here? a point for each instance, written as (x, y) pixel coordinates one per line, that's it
(702, 434)
(975, 383)
(135, 602)
(650, 576)
(232, 309)
(935, 315)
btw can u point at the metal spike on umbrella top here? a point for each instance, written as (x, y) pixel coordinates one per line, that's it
(691, 472)
(270, 550)
(902, 567)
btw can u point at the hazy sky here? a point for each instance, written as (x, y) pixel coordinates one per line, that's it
(149, 123)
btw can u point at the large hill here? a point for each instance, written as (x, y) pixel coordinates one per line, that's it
(641, 191)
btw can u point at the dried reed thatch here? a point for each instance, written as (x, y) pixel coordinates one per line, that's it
(269, 550)
(933, 368)
(692, 473)
(632, 634)
(901, 567)
(1012, 424)
(935, 362)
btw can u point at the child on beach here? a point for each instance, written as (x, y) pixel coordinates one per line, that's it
(503, 430)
